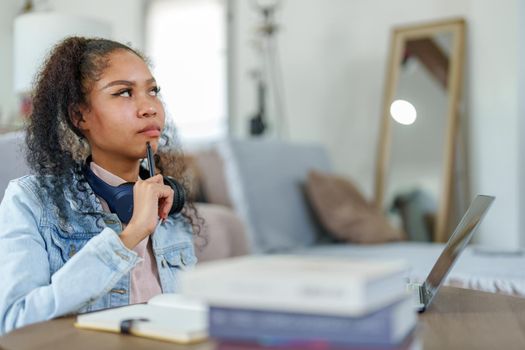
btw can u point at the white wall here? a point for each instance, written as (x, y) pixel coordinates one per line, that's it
(126, 17)
(494, 116)
(521, 117)
(333, 56)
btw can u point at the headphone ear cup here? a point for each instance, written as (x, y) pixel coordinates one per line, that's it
(143, 173)
(123, 202)
(179, 196)
(119, 199)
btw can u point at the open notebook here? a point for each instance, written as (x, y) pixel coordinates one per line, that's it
(169, 317)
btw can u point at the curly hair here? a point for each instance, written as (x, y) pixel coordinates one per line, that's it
(56, 146)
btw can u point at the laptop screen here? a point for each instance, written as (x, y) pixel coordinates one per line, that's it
(455, 245)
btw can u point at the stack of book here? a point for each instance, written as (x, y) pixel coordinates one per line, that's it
(305, 302)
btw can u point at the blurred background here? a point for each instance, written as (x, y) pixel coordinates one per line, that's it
(310, 71)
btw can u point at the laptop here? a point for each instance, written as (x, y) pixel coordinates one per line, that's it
(425, 293)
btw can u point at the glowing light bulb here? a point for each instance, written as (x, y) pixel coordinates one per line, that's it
(403, 112)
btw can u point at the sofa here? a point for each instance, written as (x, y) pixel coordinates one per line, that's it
(254, 202)
(262, 181)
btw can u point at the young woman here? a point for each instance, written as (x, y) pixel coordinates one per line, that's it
(62, 249)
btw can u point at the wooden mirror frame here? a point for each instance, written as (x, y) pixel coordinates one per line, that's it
(399, 36)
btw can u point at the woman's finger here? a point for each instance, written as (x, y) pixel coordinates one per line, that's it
(165, 202)
(155, 179)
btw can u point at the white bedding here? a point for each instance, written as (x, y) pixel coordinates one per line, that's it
(491, 271)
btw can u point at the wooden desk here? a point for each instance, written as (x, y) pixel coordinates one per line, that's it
(458, 319)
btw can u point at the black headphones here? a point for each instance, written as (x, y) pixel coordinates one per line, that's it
(120, 198)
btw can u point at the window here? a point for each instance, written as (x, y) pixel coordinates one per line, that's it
(186, 40)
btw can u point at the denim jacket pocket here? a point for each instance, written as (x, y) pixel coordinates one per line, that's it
(182, 257)
(65, 245)
(173, 262)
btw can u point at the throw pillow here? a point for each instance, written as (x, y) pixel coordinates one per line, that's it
(345, 213)
(212, 175)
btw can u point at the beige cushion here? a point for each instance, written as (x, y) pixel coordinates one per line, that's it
(193, 179)
(345, 213)
(212, 177)
(223, 234)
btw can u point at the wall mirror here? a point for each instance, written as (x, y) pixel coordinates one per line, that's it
(419, 128)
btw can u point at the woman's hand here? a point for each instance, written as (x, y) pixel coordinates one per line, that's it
(151, 200)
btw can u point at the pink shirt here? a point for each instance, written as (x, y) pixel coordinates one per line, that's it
(145, 282)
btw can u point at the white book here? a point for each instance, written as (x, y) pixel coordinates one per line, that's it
(307, 284)
(169, 317)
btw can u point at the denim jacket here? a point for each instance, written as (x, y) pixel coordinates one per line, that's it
(50, 267)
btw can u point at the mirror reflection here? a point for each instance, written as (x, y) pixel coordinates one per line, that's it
(419, 116)
(418, 131)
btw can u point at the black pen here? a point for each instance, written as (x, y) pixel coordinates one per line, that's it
(149, 155)
(151, 168)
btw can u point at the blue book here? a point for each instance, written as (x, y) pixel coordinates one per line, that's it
(411, 342)
(387, 326)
